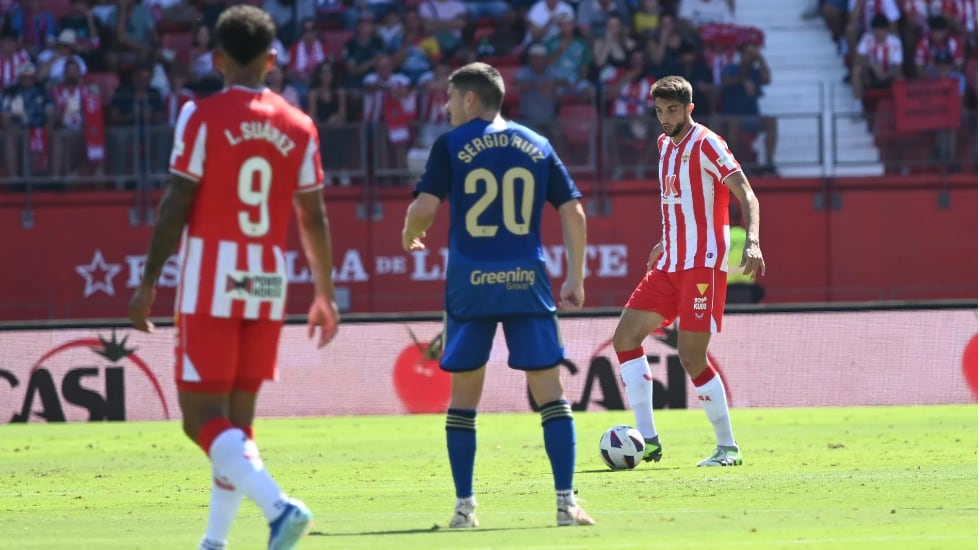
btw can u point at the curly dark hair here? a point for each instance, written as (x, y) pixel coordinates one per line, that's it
(245, 32)
(673, 88)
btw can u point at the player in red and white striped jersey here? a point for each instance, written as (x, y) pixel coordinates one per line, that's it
(687, 269)
(242, 159)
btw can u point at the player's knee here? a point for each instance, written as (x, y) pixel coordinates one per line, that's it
(625, 339)
(692, 360)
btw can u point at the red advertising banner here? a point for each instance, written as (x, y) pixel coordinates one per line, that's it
(926, 104)
(82, 257)
(767, 360)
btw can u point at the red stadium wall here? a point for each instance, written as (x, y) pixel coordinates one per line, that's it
(862, 239)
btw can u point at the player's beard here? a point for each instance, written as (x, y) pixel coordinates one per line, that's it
(677, 130)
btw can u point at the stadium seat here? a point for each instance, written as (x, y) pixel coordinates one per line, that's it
(482, 32)
(107, 83)
(334, 42)
(577, 123)
(179, 42)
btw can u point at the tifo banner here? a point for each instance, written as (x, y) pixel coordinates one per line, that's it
(926, 105)
(766, 359)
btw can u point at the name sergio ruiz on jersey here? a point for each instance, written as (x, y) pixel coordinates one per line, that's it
(471, 149)
(515, 279)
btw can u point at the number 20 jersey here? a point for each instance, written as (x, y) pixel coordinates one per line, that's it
(497, 177)
(249, 152)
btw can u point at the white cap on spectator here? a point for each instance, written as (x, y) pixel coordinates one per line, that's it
(537, 49)
(26, 69)
(67, 37)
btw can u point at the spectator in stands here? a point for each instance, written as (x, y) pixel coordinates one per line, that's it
(538, 83)
(432, 103)
(87, 31)
(391, 30)
(878, 60)
(52, 61)
(390, 98)
(361, 52)
(174, 12)
(211, 10)
(663, 49)
(415, 49)
(178, 92)
(327, 106)
(505, 39)
(27, 116)
(34, 24)
(691, 66)
(741, 89)
(12, 57)
(288, 15)
(444, 19)
(135, 32)
(944, 68)
(592, 15)
(205, 79)
(628, 94)
(937, 42)
(276, 81)
(834, 13)
(493, 9)
(611, 52)
(375, 9)
(694, 13)
(646, 20)
(862, 13)
(70, 100)
(133, 109)
(542, 19)
(570, 55)
(304, 57)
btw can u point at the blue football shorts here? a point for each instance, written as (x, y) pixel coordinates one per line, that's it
(533, 343)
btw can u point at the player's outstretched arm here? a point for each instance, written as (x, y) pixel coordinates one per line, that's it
(752, 261)
(418, 219)
(314, 232)
(573, 230)
(171, 219)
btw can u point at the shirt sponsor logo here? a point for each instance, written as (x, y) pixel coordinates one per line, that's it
(241, 284)
(515, 279)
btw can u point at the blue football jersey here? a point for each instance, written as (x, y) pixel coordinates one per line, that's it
(497, 177)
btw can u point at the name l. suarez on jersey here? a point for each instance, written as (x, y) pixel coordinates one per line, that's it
(487, 141)
(262, 130)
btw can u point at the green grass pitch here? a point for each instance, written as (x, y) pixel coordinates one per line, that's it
(889, 477)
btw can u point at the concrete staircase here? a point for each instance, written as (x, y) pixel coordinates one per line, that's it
(817, 135)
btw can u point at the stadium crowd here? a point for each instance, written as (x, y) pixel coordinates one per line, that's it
(94, 87)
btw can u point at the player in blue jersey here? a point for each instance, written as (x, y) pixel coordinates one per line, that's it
(498, 175)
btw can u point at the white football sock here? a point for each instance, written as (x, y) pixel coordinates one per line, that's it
(237, 459)
(225, 502)
(715, 403)
(639, 390)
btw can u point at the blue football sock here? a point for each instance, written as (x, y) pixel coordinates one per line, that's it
(559, 442)
(461, 442)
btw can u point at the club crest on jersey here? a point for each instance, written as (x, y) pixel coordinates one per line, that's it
(685, 157)
(670, 186)
(241, 285)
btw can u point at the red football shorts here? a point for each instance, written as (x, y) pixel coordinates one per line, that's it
(696, 297)
(216, 355)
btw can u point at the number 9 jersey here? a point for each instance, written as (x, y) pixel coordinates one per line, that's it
(497, 177)
(249, 152)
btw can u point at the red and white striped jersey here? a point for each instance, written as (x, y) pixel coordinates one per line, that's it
(888, 54)
(694, 200)
(249, 152)
(962, 11)
(304, 58)
(633, 98)
(927, 49)
(868, 9)
(9, 66)
(432, 108)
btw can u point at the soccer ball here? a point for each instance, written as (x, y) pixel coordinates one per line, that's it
(621, 447)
